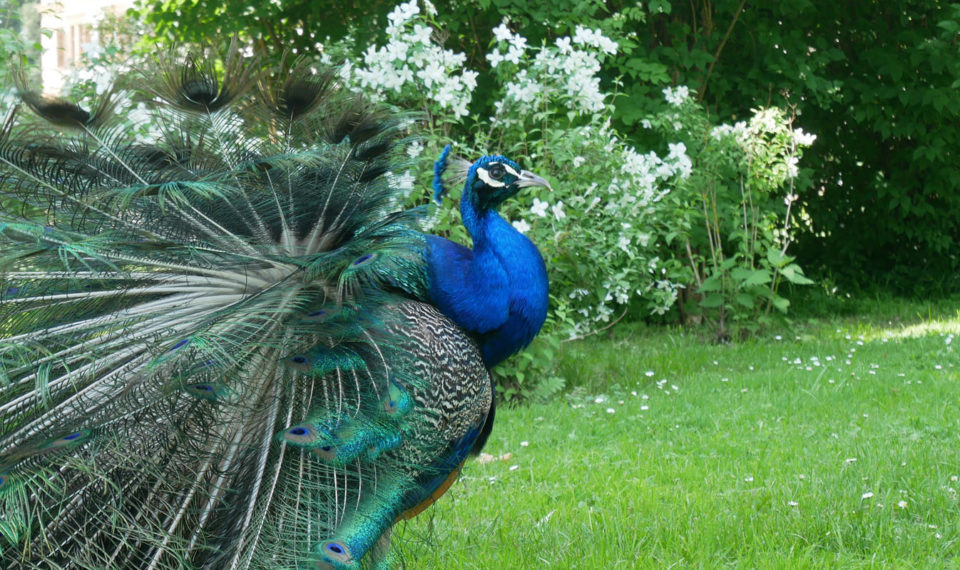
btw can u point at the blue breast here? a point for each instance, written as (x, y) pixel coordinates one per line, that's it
(498, 291)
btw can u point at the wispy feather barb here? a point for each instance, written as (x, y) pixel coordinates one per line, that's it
(210, 355)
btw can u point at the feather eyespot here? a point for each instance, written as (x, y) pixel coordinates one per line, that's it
(69, 439)
(363, 259)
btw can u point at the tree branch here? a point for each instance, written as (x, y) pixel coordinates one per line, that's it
(716, 56)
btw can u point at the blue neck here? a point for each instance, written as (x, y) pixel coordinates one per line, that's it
(479, 223)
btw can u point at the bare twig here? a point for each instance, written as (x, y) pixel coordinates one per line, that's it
(716, 56)
(693, 264)
(598, 331)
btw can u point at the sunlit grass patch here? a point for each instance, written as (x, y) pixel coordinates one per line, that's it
(830, 446)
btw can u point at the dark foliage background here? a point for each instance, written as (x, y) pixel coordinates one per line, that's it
(876, 81)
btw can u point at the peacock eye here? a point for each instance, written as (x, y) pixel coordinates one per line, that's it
(496, 171)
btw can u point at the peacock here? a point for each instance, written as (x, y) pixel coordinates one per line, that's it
(223, 342)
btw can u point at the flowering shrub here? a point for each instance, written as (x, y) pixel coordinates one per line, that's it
(733, 214)
(699, 229)
(412, 70)
(697, 225)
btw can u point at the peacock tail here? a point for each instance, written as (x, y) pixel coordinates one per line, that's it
(217, 348)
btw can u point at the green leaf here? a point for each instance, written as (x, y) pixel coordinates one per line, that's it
(711, 301)
(777, 258)
(740, 274)
(794, 274)
(758, 277)
(746, 300)
(949, 25)
(712, 283)
(728, 263)
(660, 6)
(548, 387)
(750, 277)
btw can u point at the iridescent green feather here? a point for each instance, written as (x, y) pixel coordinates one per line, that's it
(211, 350)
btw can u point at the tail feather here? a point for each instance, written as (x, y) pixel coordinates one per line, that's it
(209, 354)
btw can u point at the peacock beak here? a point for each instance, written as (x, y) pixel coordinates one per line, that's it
(528, 178)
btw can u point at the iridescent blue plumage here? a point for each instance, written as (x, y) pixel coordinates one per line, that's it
(498, 290)
(439, 168)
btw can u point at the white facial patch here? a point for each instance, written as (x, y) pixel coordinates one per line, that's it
(485, 176)
(489, 181)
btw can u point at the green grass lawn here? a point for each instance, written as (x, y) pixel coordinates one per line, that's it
(833, 445)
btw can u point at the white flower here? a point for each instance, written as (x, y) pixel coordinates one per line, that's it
(469, 79)
(676, 96)
(523, 89)
(594, 38)
(792, 169)
(557, 210)
(502, 33)
(803, 139)
(415, 149)
(539, 208)
(721, 131)
(433, 73)
(678, 153)
(866, 495)
(421, 34)
(578, 160)
(521, 225)
(513, 55)
(403, 13)
(495, 57)
(902, 504)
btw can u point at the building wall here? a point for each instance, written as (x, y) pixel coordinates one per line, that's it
(73, 26)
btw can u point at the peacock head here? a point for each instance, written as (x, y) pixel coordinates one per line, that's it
(489, 180)
(493, 178)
